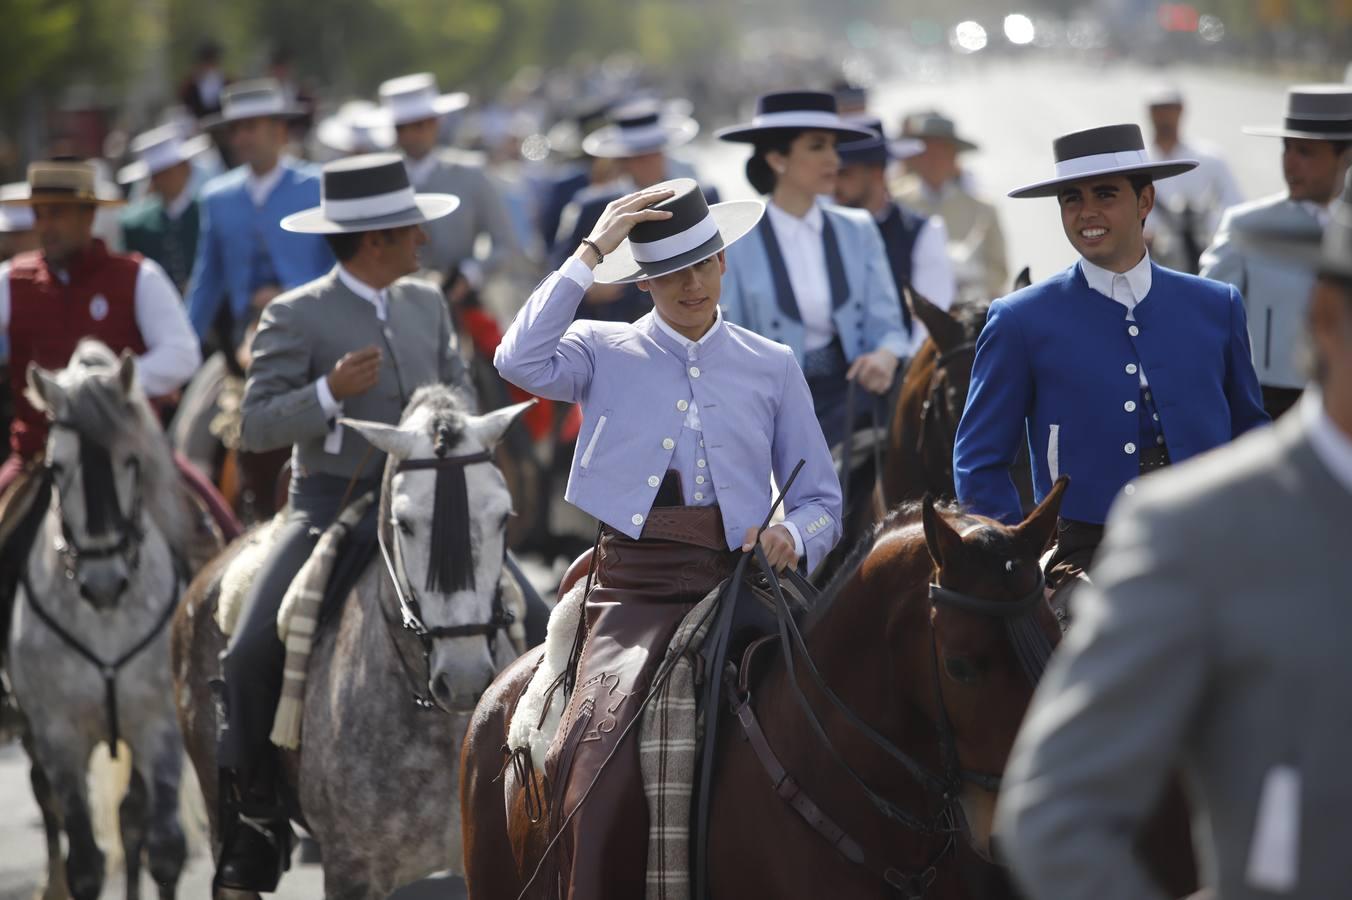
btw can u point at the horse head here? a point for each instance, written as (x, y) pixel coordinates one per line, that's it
(444, 513)
(991, 631)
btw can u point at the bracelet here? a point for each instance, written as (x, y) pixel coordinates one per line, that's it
(600, 257)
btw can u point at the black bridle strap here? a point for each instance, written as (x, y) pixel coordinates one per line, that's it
(444, 462)
(995, 609)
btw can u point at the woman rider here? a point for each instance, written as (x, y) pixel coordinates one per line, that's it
(685, 419)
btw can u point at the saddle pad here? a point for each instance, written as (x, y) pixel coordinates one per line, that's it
(537, 716)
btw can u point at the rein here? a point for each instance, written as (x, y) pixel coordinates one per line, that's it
(847, 449)
(931, 411)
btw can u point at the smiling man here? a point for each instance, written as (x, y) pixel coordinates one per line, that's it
(1110, 369)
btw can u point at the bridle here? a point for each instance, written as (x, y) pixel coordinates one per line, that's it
(410, 607)
(932, 415)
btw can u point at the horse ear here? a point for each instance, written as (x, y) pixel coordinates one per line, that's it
(490, 428)
(943, 540)
(946, 330)
(388, 438)
(126, 373)
(1035, 532)
(44, 392)
(1023, 279)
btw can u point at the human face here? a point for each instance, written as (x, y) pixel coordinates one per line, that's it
(257, 142)
(855, 185)
(169, 183)
(397, 250)
(688, 300)
(417, 139)
(1164, 119)
(937, 163)
(1312, 169)
(811, 165)
(1331, 331)
(1103, 217)
(646, 170)
(63, 229)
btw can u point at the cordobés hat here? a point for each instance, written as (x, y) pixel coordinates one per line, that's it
(357, 127)
(368, 193)
(695, 232)
(413, 98)
(14, 218)
(794, 111)
(639, 128)
(933, 125)
(875, 150)
(159, 149)
(1330, 254)
(1108, 150)
(261, 98)
(1320, 112)
(61, 181)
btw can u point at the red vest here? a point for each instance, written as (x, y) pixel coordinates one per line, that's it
(47, 318)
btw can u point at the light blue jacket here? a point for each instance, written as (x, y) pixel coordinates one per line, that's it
(637, 382)
(867, 315)
(230, 225)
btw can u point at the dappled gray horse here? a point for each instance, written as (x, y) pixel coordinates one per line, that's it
(387, 706)
(89, 649)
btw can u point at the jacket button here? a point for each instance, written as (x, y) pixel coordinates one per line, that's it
(694, 371)
(636, 519)
(1129, 406)
(1129, 448)
(1131, 368)
(698, 495)
(682, 405)
(1129, 489)
(701, 463)
(1133, 331)
(668, 443)
(653, 481)
(699, 479)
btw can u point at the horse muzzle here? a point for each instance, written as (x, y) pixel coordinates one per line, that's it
(102, 586)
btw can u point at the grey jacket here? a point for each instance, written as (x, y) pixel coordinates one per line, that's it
(1215, 638)
(304, 332)
(482, 211)
(1275, 292)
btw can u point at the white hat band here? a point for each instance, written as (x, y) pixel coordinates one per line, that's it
(413, 106)
(671, 247)
(374, 207)
(252, 107)
(644, 135)
(1099, 162)
(797, 119)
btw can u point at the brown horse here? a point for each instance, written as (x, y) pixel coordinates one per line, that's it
(936, 673)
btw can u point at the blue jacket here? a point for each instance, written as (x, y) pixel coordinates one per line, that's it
(1057, 363)
(867, 312)
(230, 224)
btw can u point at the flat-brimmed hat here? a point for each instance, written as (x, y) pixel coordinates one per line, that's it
(368, 193)
(695, 232)
(794, 111)
(875, 150)
(1163, 94)
(159, 149)
(61, 181)
(1107, 150)
(1318, 112)
(14, 218)
(1327, 254)
(260, 98)
(357, 127)
(413, 98)
(640, 128)
(933, 125)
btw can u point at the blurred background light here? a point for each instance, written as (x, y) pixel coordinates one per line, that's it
(1019, 29)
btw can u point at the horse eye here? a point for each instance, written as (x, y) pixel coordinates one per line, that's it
(964, 671)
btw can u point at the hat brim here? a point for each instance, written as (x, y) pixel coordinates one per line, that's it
(1157, 171)
(750, 134)
(138, 171)
(220, 119)
(338, 134)
(607, 142)
(443, 105)
(1277, 132)
(735, 219)
(31, 199)
(962, 144)
(428, 208)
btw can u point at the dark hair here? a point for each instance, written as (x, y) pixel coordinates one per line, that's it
(1340, 147)
(346, 245)
(1139, 181)
(758, 171)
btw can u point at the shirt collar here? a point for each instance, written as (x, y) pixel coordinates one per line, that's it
(784, 221)
(1320, 211)
(419, 170)
(681, 339)
(179, 206)
(1138, 277)
(1330, 443)
(261, 186)
(363, 290)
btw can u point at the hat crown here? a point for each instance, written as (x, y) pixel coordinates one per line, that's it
(163, 136)
(795, 101)
(929, 124)
(67, 177)
(364, 176)
(260, 93)
(1097, 141)
(409, 86)
(639, 114)
(1320, 102)
(688, 208)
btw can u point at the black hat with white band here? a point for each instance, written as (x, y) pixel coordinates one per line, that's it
(695, 232)
(159, 149)
(416, 98)
(876, 150)
(261, 98)
(1107, 151)
(368, 193)
(640, 128)
(1316, 112)
(794, 111)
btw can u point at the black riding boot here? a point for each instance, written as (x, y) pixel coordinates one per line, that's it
(256, 836)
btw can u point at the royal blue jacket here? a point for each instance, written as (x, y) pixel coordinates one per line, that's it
(1057, 364)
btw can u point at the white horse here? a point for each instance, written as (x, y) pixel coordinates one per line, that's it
(89, 648)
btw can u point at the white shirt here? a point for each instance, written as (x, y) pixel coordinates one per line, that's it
(1210, 188)
(1330, 443)
(180, 204)
(800, 244)
(260, 186)
(332, 406)
(1128, 288)
(172, 350)
(931, 274)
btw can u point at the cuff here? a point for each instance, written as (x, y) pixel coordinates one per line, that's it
(576, 271)
(896, 342)
(793, 531)
(327, 402)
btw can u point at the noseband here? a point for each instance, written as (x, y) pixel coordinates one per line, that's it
(103, 508)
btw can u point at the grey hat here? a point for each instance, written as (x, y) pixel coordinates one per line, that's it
(368, 193)
(1109, 150)
(1317, 112)
(1330, 254)
(933, 124)
(256, 99)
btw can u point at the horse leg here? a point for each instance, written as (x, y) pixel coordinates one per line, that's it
(67, 768)
(167, 847)
(55, 889)
(132, 819)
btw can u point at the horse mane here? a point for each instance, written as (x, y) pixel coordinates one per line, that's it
(98, 409)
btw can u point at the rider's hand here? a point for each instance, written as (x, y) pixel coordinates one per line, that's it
(356, 373)
(619, 219)
(874, 371)
(778, 546)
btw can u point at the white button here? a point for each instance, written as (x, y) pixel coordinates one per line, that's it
(698, 495)
(1156, 417)
(1131, 368)
(1159, 439)
(653, 481)
(668, 443)
(1129, 448)
(682, 405)
(636, 519)
(1129, 406)
(701, 463)
(1133, 331)
(699, 479)
(694, 371)
(1129, 489)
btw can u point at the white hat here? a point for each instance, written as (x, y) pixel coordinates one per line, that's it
(413, 98)
(357, 127)
(159, 149)
(261, 98)
(15, 218)
(368, 193)
(640, 128)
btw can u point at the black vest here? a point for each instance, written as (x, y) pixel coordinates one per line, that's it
(900, 229)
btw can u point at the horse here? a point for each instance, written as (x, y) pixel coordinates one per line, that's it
(395, 671)
(89, 651)
(885, 725)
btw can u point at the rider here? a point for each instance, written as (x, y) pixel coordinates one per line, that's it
(1112, 368)
(816, 277)
(686, 417)
(356, 341)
